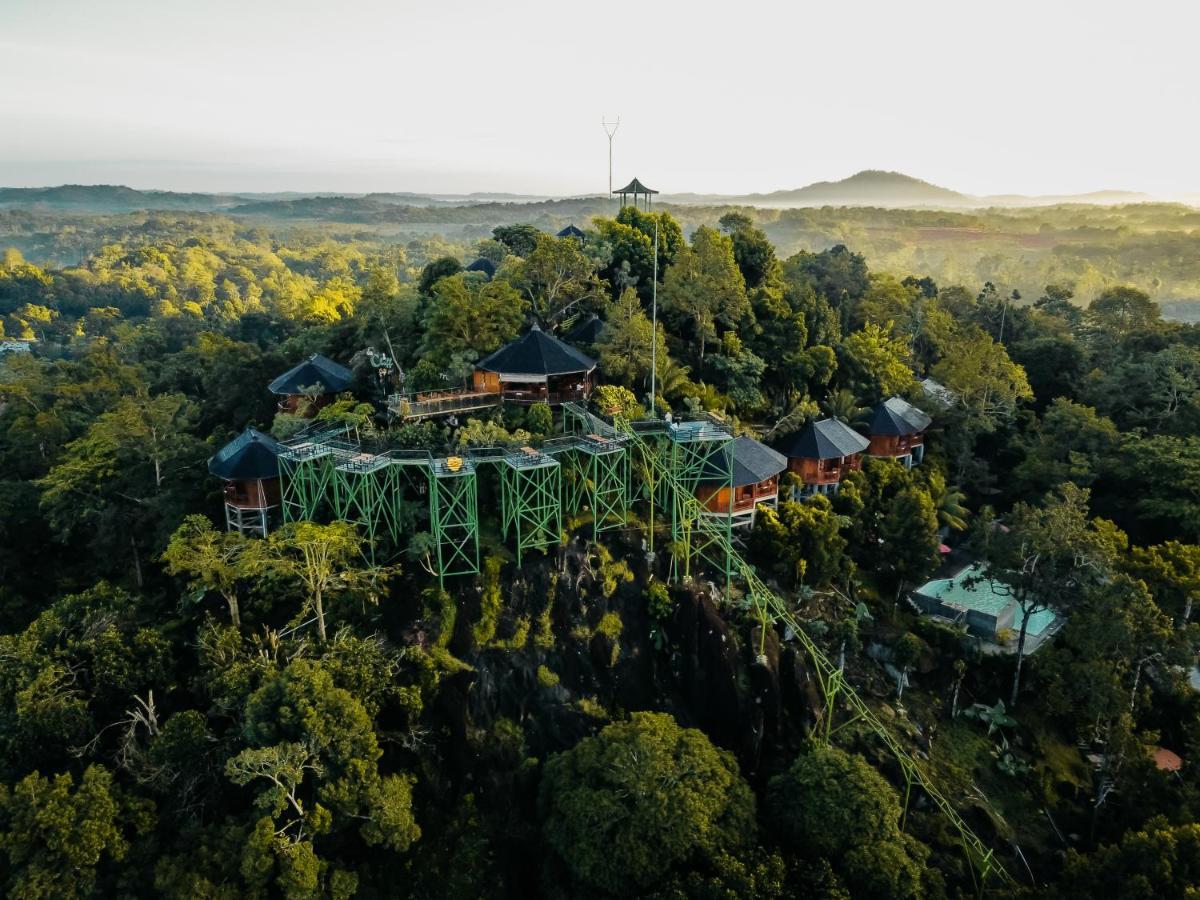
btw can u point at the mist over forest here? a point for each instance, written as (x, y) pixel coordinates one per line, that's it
(1153, 246)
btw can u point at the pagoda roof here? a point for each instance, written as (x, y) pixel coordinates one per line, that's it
(571, 231)
(897, 416)
(753, 461)
(826, 439)
(316, 370)
(250, 455)
(635, 187)
(537, 353)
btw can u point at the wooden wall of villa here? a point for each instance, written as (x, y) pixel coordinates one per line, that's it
(824, 471)
(716, 497)
(552, 389)
(253, 493)
(894, 444)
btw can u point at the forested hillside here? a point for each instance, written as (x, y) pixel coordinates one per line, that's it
(190, 712)
(1151, 246)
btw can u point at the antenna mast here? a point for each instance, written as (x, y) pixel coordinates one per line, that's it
(607, 126)
(654, 331)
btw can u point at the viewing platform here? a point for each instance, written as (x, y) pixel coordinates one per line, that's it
(426, 404)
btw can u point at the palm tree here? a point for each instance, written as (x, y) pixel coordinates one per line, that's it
(842, 404)
(672, 378)
(951, 511)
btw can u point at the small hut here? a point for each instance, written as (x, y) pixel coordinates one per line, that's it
(823, 452)
(318, 379)
(636, 189)
(536, 368)
(249, 467)
(898, 432)
(756, 469)
(586, 332)
(483, 265)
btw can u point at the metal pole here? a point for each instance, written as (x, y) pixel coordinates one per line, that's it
(654, 330)
(615, 125)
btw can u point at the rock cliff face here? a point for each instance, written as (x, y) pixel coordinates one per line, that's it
(576, 646)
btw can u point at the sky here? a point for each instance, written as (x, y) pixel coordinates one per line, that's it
(444, 96)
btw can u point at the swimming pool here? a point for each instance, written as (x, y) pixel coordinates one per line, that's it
(972, 590)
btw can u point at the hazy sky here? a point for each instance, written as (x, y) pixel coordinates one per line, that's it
(360, 95)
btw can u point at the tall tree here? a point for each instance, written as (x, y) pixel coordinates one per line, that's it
(556, 278)
(752, 249)
(325, 560)
(622, 809)
(472, 318)
(58, 835)
(221, 561)
(1049, 554)
(831, 804)
(703, 289)
(521, 240)
(1071, 444)
(877, 362)
(626, 345)
(120, 479)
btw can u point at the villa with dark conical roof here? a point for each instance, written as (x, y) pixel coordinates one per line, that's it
(249, 466)
(822, 453)
(898, 432)
(317, 379)
(536, 368)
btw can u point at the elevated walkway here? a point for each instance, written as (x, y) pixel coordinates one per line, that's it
(584, 473)
(427, 404)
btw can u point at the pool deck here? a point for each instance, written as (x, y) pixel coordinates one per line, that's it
(946, 586)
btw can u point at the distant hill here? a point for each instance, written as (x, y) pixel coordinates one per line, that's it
(111, 198)
(896, 190)
(868, 188)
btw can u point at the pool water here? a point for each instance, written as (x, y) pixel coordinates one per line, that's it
(970, 589)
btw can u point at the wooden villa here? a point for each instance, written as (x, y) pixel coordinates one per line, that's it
(312, 384)
(536, 368)
(249, 467)
(898, 432)
(823, 452)
(756, 470)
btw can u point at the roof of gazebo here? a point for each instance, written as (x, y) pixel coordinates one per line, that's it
(635, 187)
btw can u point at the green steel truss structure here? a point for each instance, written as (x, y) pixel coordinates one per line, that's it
(586, 470)
(602, 482)
(771, 610)
(531, 499)
(693, 451)
(454, 517)
(699, 451)
(306, 475)
(365, 493)
(595, 478)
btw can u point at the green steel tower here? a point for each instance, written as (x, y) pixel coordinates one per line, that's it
(454, 515)
(531, 499)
